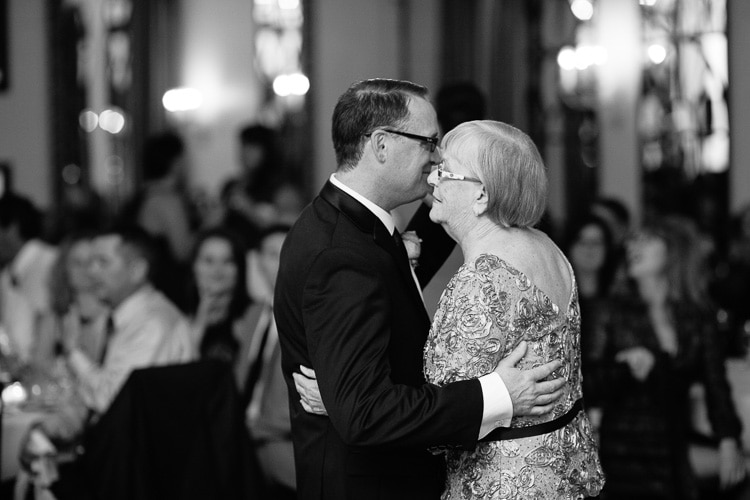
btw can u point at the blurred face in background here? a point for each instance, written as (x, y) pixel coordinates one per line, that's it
(646, 255)
(268, 256)
(252, 155)
(77, 266)
(116, 272)
(588, 251)
(214, 267)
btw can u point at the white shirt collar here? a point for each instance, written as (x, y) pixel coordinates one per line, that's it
(385, 217)
(133, 304)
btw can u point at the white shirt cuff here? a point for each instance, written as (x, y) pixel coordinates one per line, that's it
(498, 407)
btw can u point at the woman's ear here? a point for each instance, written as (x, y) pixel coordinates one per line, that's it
(480, 202)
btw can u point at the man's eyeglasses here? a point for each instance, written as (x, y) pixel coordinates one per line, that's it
(431, 142)
(445, 174)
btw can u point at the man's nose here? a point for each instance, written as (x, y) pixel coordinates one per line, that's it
(437, 155)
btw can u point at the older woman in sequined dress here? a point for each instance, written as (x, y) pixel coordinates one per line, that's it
(515, 286)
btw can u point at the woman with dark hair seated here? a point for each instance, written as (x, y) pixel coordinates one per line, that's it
(217, 296)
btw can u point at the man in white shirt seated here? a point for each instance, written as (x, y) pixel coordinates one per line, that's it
(145, 329)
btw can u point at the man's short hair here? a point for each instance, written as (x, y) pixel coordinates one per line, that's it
(364, 107)
(136, 243)
(510, 167)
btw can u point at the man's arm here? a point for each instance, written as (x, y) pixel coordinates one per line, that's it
(348, 316)
(135, 348)
(525, 393)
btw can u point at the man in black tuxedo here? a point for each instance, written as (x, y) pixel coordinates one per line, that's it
(347, 304)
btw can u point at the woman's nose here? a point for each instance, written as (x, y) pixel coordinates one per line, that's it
(432, 179)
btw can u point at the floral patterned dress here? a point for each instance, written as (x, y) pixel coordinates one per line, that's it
(483, 314)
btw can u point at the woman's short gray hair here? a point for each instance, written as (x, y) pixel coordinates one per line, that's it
(509, 165)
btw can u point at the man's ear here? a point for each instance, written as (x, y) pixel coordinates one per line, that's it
(139, 270)
(379, 145)
(481, 202)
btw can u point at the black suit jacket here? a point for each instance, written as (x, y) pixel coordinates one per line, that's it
(347, 305)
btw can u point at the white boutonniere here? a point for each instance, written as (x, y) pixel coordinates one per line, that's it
(413, 245)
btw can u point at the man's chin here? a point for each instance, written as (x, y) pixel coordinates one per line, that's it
(415, 197)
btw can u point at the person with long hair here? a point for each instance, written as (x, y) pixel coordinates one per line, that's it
(589, 246)
(658, 337)
(217, 297)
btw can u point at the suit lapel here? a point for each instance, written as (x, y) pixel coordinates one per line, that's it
(368, 223)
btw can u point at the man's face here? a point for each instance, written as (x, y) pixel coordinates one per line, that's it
(112, 270)
(413, 161)
(77, 265)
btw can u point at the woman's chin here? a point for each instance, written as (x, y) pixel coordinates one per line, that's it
(434, 217)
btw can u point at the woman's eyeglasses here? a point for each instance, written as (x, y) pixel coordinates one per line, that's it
(445, 174)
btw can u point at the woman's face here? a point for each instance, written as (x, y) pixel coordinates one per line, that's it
(647, 255)
(453, 198)
(588, 251)
(77, 266)
(252, 156)
(214, 268)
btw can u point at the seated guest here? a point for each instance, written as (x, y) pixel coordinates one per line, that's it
(265, 390)
(146, 328)
(217, 297)
(79, 316)
(25, 264)
(143, 329)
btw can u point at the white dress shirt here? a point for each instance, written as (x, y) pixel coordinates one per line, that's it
(148, 331)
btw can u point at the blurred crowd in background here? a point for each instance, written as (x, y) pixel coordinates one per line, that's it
(664, 308)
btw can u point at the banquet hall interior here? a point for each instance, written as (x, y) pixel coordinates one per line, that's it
(638, 102)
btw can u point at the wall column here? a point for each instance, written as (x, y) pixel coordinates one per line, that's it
(619, 79)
